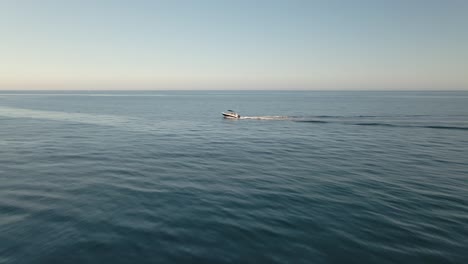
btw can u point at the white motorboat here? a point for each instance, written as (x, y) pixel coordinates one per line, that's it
(230, 114)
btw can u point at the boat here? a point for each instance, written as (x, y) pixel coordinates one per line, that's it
(230, 114)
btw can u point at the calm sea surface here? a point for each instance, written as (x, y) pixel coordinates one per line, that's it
(302, 177)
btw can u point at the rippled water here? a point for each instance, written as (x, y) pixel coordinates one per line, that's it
(302, 177)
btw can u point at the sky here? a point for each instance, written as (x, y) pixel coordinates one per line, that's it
(233, 44)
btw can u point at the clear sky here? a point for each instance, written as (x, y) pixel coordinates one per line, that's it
(236, 44)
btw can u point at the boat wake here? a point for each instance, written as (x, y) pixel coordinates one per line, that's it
(394, 122)
(266, 117)
(406, 121)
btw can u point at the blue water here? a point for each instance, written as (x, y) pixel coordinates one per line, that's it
(302, 177)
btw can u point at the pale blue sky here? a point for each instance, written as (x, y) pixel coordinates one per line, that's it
(220, 44)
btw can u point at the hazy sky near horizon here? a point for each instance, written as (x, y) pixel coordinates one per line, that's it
(237, 44)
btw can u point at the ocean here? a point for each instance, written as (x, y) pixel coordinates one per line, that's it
(301, 177)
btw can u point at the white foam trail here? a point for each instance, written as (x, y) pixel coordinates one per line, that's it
(266, 117)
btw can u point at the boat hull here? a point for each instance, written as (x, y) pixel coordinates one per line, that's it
(229, 115)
